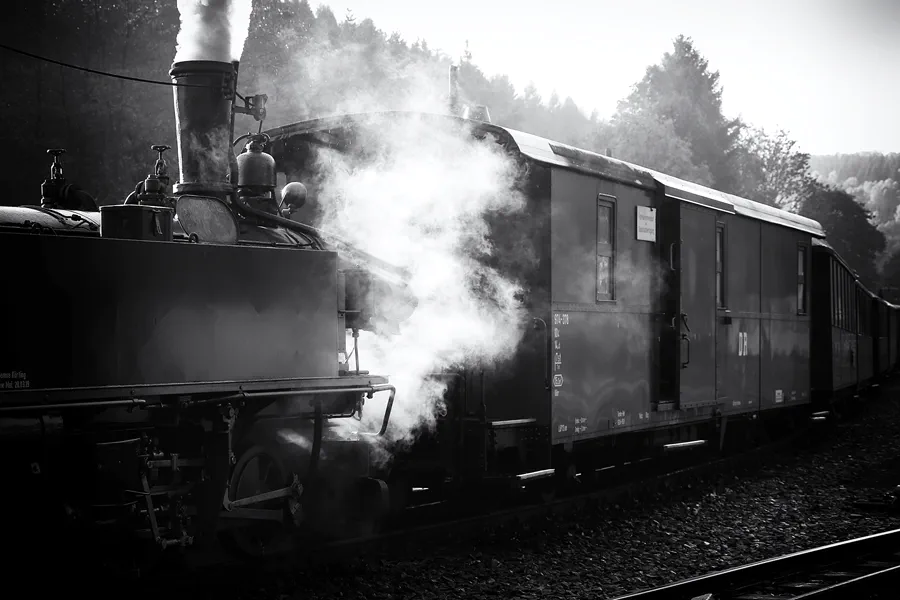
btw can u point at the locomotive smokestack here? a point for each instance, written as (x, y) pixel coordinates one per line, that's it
(454, 90)
(204, 120)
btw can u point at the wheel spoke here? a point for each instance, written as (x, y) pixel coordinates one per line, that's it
(249, 481)
(257, 472)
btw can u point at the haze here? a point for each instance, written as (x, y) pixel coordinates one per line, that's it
(825, 70)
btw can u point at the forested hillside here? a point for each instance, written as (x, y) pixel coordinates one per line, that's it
(873, 179)
(312, 63)
(864, 166)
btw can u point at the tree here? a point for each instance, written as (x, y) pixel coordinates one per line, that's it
(865, 166)
(890, 273)
(683, 90)
(881, 198)
(848, 228)
(648, 140)
(771, 169)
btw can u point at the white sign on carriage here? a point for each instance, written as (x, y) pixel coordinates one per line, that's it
(646, 224)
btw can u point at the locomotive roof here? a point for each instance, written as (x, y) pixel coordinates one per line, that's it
(546, 151)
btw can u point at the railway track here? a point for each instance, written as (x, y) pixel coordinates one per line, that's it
(849, 569)
(223, 568)
(441, 525)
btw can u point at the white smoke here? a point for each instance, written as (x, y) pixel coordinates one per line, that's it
(419, 200)
(328, 78)
(213, 29)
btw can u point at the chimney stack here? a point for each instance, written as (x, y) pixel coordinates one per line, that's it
(204, 122)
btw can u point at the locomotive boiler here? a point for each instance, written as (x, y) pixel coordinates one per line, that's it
(170, 364)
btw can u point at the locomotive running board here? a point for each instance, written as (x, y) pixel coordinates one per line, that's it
(35, 398)
(511, 423)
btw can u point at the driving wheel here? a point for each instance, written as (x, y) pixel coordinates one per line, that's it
(261, 470)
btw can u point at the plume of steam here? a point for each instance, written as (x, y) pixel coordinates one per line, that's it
(419, 199)
(329, 78)
(213, 29)
(417, 192)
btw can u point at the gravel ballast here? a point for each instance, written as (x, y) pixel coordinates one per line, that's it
(794, 503)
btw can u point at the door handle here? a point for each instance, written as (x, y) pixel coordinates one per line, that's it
(685, 338)
(672, 256)
(538, 323)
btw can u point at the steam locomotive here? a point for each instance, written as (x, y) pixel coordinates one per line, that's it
(173, 367)
(149, 362)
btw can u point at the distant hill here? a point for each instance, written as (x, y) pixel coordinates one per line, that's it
(864, 166)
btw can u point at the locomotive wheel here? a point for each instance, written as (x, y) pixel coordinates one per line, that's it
(260, 470)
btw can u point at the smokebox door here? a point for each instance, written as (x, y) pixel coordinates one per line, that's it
(209, 218)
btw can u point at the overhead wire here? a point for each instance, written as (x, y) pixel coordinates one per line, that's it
(97, 72)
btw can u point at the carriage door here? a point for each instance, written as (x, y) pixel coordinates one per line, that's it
(696, 324)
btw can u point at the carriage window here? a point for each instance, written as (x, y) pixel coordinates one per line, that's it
(837, 296)
(720, 267)
(840, 296)
(865, 318)
(847, 307)
(801, 280)
(844, 308)
(606, 231)
(845, 304)
(834, 293)
(848, 288)
(860, 314)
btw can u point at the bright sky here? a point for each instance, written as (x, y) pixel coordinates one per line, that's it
(828, 71)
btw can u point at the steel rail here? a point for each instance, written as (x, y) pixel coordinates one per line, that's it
(454, 525)
(831, 571)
